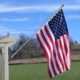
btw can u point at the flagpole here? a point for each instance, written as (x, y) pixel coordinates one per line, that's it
(20, 48)
(35, 33)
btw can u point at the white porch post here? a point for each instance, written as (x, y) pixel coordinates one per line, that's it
(5, 75)
(4, 44)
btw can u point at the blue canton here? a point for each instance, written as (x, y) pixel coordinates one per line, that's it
(58, 25)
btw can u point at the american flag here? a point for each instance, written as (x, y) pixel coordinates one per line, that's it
(54, 39)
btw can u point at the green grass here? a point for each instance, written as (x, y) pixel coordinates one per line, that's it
(39, 72)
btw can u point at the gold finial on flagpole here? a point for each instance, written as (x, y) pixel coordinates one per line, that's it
(61, 6)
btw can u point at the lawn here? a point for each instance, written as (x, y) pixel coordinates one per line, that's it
(39, 72)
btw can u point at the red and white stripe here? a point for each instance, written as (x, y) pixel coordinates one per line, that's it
(56, 51)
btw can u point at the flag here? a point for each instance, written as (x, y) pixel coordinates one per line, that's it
(54, 40)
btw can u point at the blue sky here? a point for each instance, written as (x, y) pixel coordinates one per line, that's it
(27, 16)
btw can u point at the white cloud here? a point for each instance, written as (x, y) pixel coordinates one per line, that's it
(35, 8)
(13, 31)
(31, 8)
(4, 29)
(14, 19)
(72, 7)
(73, 17)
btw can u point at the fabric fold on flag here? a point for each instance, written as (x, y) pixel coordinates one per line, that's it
(54, 40)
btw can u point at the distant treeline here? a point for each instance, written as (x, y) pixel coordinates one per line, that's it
(32, 48)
